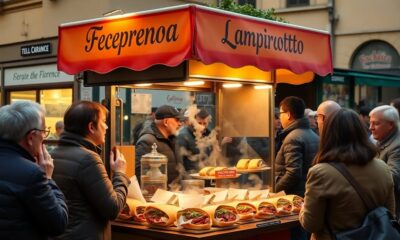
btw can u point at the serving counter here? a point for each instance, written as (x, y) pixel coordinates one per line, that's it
(266, 230)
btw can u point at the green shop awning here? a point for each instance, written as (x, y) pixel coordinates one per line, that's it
(370, 79)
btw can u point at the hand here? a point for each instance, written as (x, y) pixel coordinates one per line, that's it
(226, 140)
(117, 162)
(45, 161)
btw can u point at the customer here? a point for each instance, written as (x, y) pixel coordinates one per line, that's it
(324, 110)
(93, 199)
(59, 129)
(31, 204)
(329, 196)
(161, 131)
(384, 126)
(298, 146)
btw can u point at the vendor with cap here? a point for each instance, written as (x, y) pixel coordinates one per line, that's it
(161, 131)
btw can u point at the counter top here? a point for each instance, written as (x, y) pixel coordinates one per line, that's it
(242, 231)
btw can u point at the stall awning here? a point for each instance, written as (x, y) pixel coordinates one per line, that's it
(172, 35)
(370, 78)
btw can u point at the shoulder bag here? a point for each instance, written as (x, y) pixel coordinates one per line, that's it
(379, 224)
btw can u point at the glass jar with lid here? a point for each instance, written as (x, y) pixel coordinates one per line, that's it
(153, 172)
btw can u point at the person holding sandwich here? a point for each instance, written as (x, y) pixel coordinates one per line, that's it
(92, 197)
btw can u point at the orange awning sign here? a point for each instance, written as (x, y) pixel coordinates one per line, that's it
(173, 35)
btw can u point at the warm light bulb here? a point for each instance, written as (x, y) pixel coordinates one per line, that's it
(193, 83)
(143, 85)
(231, 85)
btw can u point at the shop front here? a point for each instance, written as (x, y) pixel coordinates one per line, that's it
(226, 63)
(29, 72)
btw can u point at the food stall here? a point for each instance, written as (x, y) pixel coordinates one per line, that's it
(238, 58)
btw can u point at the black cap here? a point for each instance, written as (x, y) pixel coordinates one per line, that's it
(166, 111)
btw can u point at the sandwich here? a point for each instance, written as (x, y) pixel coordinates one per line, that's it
(133, 211)
(283, 206)
(296, 201)
(193, 218)
(243, 164)
(265, 209)
(245, 210)
(161, 215)
(205, 171)
(222, 215)
(255, 163)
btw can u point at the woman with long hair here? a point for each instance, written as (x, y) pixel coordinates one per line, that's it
(329, 197)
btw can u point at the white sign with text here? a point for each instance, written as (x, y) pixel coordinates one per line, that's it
(35, 75)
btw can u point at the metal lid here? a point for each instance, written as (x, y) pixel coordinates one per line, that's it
(154, 155)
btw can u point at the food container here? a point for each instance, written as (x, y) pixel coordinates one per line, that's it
(153, 172)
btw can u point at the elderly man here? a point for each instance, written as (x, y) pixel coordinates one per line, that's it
(161, 131)
(384, 126)
(31, 204)
(324, 110)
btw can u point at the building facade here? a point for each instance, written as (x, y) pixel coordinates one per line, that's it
(365, 46)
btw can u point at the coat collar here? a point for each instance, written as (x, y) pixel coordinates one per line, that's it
(68, 138)
(15, 147)
(388, 140)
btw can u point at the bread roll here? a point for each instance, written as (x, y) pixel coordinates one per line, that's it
(296, 201)
(212, 172)
(205, 171)
(243, 164)
(255, 163)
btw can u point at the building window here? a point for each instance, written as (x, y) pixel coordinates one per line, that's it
(251, 2)
(297, 3)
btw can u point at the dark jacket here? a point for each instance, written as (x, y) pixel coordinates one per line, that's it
(187, 152)
(389, 152)
(298, 147)
(31, 206)
(92, 198)
(149, 135)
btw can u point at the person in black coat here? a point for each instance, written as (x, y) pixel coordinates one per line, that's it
(93, 197)
(31, 204)
(162, 132)
(191, 148)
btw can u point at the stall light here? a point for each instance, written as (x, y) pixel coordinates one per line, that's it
(193, 83)
(231, 85)
(143, 85)
(126, 117)
(258, 87)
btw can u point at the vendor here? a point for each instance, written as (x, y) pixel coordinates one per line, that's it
(191, 149)
(161, 131)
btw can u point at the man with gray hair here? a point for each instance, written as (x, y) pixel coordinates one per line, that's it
(32, 206)
(384, 126)
(324, 110)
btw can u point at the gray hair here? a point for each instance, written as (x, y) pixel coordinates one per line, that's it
(389, 113)
(18, 118)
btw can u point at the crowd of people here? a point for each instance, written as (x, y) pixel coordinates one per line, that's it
(67, 193)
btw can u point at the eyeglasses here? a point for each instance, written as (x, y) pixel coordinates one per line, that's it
(45, 132)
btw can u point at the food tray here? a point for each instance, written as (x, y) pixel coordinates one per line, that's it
(253, 170)
(196, 175)
(195, 231)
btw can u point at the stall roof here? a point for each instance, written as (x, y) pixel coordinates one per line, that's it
(172, 35)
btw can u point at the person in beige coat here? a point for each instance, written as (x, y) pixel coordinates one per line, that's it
(329, 197)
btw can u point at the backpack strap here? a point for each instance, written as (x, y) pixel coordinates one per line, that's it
(364, 197)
